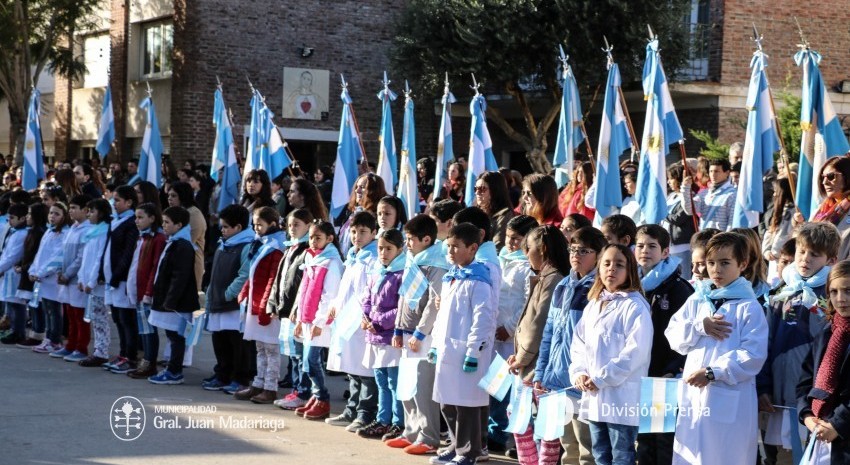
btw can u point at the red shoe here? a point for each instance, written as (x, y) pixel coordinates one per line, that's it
(419, 449)
(300, 411)
(398, 443)
(319, 411)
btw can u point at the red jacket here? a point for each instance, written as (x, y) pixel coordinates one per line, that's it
(259, 285)
(151, 249)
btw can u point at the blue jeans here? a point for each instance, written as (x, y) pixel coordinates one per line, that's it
(53, 310)
(389, 407)
(499, 419)
(316, 372)
(39, 318)
(300, 381)
(613, 444)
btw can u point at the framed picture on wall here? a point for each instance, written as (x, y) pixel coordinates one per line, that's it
(305, 93)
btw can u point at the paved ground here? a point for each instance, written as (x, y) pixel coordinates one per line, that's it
(55, 412)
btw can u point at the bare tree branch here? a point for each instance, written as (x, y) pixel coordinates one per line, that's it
(494, 115)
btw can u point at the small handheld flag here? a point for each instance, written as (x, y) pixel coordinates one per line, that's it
(287, 341)
(551, 415)
(408, 375)
(497, 381)
(520, 408)
(659, 402)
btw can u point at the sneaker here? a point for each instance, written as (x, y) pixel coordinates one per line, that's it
(511, 453)
(123, 367)
(419, 448)
(484, 455)
(320, 410)
(214, 385)
(28, 343)
(339, 420)
(166, 377)
(92, 361)
(461, 460)
(392, 433)
(145, 370)
(207, 380)
(75, 356)
(444, 457)
(232, 388)
(374, 430)
(61, 353)
(355, 426)
(398, 443)
(113, 363)
(43, 348)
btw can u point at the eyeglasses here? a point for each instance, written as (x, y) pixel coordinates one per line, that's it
(526, 192)
(581, 251)
(831, 177)
(481, 189)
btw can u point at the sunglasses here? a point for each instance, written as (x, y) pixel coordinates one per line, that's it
(831, 176)
(480, 188)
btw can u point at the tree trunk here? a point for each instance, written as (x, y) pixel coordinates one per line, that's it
(17, 136)
(538, 160)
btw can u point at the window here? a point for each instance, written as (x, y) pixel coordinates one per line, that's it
(158, 43)
(96, 59)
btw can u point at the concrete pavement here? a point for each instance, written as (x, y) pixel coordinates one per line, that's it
(55, 412)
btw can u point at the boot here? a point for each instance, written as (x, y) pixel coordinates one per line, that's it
(319, 411)
(300, 411)
(247, 393)
(143, 371)
(265, 397)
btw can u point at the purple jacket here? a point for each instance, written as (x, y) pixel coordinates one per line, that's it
(381, 308)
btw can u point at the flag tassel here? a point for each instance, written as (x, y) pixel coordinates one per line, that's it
(689, 174)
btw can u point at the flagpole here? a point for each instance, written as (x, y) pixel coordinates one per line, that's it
(690, 175)
(587, 144)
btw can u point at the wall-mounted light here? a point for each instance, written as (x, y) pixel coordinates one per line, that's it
(844, 87)
(306, 52)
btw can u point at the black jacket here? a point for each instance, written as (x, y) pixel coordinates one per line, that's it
(175, 288)
(121, 243)
(840, 417)
(664, 301)
(224, 270)
(681, 225)
(285, 288)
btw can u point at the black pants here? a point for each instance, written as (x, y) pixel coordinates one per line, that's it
(236, 358)
(128, 331)
(655, 448)
(465, 428)
(178, 349)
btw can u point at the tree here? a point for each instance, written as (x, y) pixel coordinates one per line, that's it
(511, 46)
(36, 35)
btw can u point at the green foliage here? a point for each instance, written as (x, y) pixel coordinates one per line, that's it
(713, 149)
(789, 122)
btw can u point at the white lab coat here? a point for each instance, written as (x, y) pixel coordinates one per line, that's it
(13, 251)
(465, 327)
(46, 266)
(330, 287)
(612, 345)
(354, 282)
(718, 424)
(512, 297)
(90, 267)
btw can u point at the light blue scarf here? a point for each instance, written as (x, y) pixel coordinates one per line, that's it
(659, 273)
(364, 256)
(432, 256)
(794, 283)
(300, 240)
(475, 271)
(487, 253)
(185, 233)
(242, 237)
(329, 253)
(737, 289)
(381, 271)
(96, 230)
(515, 256)
(271, 242)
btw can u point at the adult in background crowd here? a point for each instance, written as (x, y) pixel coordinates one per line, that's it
(425, 173)
(180, 195)
(780, 224)
(257, 191)
(454, 186)
(491, 195)
(200, 193)
(87, 181)
(146, 192)
(573, 198)
(540, 199)
(323, 178)
(304, 194)
(678, 222)
(367, 192)
(834, 186)
(67, 181)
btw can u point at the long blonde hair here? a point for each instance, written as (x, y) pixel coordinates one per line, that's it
(840, 270)
(632, 282)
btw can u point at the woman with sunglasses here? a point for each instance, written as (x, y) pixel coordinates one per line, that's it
(834, 186)
(491, 195)
(540, 199)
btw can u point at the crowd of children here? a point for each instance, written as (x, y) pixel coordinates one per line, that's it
(431, 299)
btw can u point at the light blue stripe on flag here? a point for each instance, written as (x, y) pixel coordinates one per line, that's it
(520, 408)
(659, 401)
(551, 416)
(305, 356)
(194, 329)
(413, 284)
(497, 380)
(287, 342)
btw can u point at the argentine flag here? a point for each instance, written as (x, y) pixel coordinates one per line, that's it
(387, 156)
(481, 156)
(551, 415)
(520, 407)
(33, 171)
(570, 134)
(497, 381)
(445, 152)
(150, 159)
(106, 131)
(408, 190)
(822, 136)
(348, 155)
(660, 129)
(659, 402)
(278, 159)
(224, 155)
(614, 139)
(257, 154)
(760, 142)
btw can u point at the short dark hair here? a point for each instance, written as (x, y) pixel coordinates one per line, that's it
(789, 247)
(701, 238)
(268, 214)
(467, 233)
(235, 215)
(80, 200)
(127, 193)
(422, 226)
(734, 241)
(477, 217)
(393, 236)
(177, 215)
(104, 210)
(622, 226)
(18, 209)
(445, 209)
(656, 232)
(364, 218)
(522, 224)
(589, 236)
(721, 162)
(20, 196)
(736, 167)
(152, 209)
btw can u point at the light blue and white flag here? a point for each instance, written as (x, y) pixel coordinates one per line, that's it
(348, 155)
(445, 152)
(660, 129)
(286, 338)
(614, 139)
(822, 136)
(387, 156)
(257, 155)
(150, 159)
(278, 159)
(481, 157)
(551, 416)
(659, 402)
(497, 381)
(414, 284)
(194, 330)
(106, 130)
(520, 407)
(570, 134)
(33, 171)
(760, 142)
(224, 155)
(408, 190)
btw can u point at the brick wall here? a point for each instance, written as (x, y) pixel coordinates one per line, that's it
(62, 116)
(120, 19)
